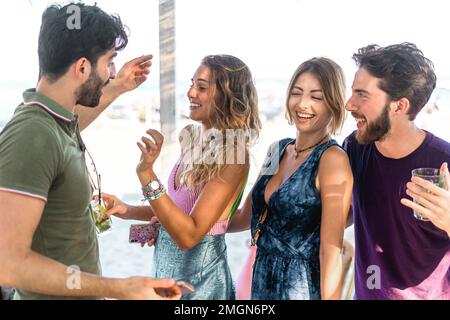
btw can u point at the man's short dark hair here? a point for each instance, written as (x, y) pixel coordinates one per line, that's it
(60, 45)
(403, 71)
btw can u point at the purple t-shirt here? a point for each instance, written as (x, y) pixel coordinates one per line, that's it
(396, 256)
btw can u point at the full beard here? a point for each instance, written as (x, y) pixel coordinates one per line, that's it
(90, 92)
(376, 130)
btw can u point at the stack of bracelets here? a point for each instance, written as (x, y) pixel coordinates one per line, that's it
(153, 194)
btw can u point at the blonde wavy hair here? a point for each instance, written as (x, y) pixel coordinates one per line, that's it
(234, 118)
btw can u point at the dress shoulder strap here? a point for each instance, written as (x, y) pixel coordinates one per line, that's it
(236, 203)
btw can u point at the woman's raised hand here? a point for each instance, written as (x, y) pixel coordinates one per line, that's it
(150, 150)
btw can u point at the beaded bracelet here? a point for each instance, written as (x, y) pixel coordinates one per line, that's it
(152, 193)
(155, 195)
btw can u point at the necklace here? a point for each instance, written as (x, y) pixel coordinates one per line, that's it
(297, 152)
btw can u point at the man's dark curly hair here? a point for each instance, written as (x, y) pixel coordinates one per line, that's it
(403, 71)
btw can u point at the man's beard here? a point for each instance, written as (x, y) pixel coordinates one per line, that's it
(376, 130)
(90, 92)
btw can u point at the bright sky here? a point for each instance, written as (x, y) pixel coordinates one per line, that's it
(272, 36)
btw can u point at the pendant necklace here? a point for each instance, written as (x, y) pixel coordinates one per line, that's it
(298, 151)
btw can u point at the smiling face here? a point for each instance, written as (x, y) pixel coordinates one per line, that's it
(307, 106)
(370, 106)
(200, 96)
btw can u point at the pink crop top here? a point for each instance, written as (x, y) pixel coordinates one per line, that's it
(185, 199)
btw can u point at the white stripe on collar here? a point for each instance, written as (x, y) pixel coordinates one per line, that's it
(43, 106)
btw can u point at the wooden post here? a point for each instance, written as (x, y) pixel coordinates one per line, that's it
(167, 69)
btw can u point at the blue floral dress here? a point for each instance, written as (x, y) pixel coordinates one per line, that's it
(287, 259)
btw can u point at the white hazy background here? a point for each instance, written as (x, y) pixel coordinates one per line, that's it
(272, 37)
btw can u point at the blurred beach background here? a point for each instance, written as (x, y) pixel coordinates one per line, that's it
(272, 37)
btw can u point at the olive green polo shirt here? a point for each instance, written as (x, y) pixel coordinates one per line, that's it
(42, 156)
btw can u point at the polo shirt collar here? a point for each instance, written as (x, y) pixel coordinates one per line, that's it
(31, 97)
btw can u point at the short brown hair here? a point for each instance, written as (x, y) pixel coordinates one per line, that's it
(332, 81)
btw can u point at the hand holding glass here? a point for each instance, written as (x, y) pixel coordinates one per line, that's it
(429, 174)
(101, 224)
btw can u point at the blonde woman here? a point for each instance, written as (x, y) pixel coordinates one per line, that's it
(297, 213)
(206, 182)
